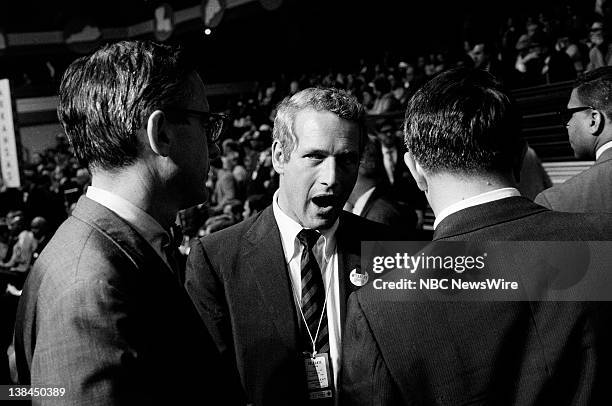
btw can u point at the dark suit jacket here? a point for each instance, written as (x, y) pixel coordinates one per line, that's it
(404, 188)
(399, 350)
(239, 282)
(587, 192)
(382, 208)
(103, 316)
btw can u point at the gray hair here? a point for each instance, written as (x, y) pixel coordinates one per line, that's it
(336, 101)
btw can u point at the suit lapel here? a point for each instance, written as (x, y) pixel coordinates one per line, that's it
(486, 215)
(349, 258)
(267, 265)
(370, 202)
(136, 248)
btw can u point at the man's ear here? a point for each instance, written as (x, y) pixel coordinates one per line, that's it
(157, 133)
(417, 172)
(597, 121)
(278, 157)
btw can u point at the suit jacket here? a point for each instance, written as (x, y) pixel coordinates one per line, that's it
(239, 282)
(587, 192)
(103, 316)
(400, 350)
(382, 208)
(404, 188)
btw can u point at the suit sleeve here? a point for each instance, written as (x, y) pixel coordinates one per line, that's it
(365, 377)
(91, 355)
(543, 201)
(205, 288)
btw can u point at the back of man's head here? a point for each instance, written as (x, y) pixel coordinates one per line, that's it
(594, 89)
(462, 122)
(105, 98)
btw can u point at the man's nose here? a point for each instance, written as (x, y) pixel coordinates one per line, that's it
(329, 168)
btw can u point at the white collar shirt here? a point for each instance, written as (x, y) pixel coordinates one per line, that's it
(362, 200)
(482, 198)
(602, 149)
(326, 255)
(142, 221)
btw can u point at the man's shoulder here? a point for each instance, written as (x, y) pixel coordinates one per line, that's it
(363, 229)
(580, 190)
(231, 237)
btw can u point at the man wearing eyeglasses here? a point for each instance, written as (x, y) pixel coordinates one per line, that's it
(103, 313)
(587, 118)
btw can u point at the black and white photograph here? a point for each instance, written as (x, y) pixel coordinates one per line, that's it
(306, 202)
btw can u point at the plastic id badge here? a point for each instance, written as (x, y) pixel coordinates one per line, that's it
(318, 376)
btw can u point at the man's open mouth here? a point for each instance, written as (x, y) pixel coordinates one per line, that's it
(325, 200)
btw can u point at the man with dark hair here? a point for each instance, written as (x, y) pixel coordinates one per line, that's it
(406, 347)
(371, 197)
(588, 120)
(103, 313)
(272, 289)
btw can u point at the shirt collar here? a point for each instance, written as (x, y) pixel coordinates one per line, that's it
(602, 149)
(482, 198)
(361, 202)
(142, 221)
(289, 229)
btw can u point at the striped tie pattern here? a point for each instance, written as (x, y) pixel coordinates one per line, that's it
(313, 294)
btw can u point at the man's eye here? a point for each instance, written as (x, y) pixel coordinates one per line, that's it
(315, 156)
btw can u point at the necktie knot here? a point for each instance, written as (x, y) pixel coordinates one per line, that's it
(308, 238)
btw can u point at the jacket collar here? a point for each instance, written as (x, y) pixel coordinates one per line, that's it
(486, 215)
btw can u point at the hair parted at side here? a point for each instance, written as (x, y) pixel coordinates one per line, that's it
(105, 98)
(336, 101)
(462, 121)
(594, 88)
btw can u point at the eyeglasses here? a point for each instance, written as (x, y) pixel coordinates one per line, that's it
(214, 123)
(566, 114)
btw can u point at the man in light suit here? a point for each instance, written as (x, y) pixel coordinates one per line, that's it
(588, 120)
(404, 347)
(275, 298)
(103, 313)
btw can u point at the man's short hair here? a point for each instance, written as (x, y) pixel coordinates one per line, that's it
(338, 102)
(462, 121)
(105, 98)
(594, 88)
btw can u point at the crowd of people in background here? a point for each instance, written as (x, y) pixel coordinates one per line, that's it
(528, 51)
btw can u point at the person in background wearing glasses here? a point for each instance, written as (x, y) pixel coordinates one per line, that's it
(103, 313)
(587, 118)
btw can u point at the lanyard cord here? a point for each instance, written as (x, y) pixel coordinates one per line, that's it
(314, 341)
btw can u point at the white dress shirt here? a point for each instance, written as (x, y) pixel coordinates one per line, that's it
(482, 198)
(603, 148)
(326, 255)
(362, 200)
(390, 161)
(142, 221)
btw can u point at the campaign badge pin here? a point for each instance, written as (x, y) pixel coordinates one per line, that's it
(358, 279)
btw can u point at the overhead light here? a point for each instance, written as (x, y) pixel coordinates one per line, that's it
(207, 31)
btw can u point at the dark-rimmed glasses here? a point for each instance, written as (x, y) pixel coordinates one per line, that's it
(214, 123)
(566, 114)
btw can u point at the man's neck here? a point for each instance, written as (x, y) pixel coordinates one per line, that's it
(445, 190)
(138, 186)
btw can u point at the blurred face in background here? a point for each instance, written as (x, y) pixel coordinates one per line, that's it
(596, 33)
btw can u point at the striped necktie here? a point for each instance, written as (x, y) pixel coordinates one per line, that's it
(313, 295)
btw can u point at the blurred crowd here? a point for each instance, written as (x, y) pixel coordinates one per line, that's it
(529, 50)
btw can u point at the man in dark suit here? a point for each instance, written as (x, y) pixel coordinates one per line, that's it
(272, 289)
(420, 347)
(103, 313)
(402, 187)
(588, 120)
(372, 199)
